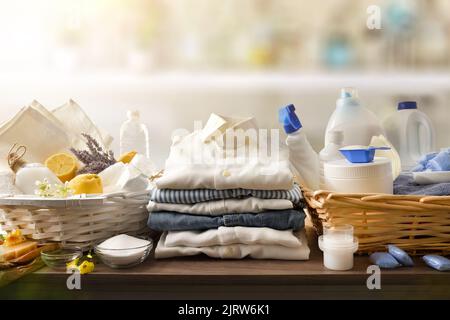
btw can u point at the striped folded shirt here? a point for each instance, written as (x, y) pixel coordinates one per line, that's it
(202, 195)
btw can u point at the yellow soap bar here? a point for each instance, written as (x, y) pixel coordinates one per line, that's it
(13, 252)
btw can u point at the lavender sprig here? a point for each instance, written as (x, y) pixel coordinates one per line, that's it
(95, 159)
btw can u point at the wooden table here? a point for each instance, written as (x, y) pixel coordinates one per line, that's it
(204, 278)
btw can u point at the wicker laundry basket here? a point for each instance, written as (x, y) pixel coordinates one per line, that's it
(81, 221)
(418, 224)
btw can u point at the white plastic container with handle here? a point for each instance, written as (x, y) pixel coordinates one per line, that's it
(302, 156)
(330, 153)
(357, 123)
(411, 132)
(134, 135)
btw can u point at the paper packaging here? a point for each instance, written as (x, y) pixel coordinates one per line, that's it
(45, 133)
(77, 122)
(31, 128)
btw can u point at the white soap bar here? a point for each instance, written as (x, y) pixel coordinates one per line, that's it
(144, 165)
(123, 177)
(27, 176)
(110, 177)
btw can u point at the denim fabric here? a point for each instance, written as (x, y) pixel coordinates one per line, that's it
(280, 220)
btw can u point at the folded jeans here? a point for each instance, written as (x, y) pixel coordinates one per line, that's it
(173, 221)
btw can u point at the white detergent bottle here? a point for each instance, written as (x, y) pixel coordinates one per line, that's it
(134, 135)
(411, 132)
(330, 153)
(357, 123)
(301, 154)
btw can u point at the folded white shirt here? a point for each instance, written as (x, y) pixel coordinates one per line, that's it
(237, 251)
(224, 206)
(232, 235)
(204, 160)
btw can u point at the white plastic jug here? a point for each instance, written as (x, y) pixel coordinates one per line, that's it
(330, 153)
(134, 135)
(357, 123)
(302, 156)
(411, 132)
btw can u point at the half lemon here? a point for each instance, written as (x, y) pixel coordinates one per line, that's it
(63, 165)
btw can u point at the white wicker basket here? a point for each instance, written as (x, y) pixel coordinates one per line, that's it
(81, 221)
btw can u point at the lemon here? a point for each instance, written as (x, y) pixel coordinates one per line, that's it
(63, 165)
(127, 157)
(86, 183)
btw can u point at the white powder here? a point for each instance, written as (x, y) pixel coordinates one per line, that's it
(123, 250)
(123, 241)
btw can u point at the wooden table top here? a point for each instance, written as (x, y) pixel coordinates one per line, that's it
(202, 277)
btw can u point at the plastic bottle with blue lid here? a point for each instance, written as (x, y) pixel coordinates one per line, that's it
(357, 123)
(411, 132)
(301, 154)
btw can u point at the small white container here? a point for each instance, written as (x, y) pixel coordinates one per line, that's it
(345, 177)
(338, 245)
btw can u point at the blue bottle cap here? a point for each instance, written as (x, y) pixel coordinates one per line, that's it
(405, 105)
(289, 119)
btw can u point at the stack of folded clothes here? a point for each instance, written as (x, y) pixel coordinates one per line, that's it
(223, 208)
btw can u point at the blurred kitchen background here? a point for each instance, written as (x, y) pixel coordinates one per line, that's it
(176, 61)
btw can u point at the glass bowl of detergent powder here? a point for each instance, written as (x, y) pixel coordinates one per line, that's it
(123, 251)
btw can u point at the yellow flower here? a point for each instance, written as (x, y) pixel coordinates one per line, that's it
(83, 268)
(14, 238)
(73, 264)
(86, 267)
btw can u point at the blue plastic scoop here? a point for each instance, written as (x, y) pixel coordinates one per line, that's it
(361, 155)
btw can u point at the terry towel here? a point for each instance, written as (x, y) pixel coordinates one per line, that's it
(405, 184)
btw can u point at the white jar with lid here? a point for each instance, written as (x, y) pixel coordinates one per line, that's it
(345, 177)
(338, 245)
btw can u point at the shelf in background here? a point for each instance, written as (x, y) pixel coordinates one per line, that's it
(418, 82)
(204, 278)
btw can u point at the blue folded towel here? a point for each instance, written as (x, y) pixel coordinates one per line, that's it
(405, 184)
(434, 161)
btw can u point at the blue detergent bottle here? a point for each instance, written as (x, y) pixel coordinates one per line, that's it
(302, 156)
